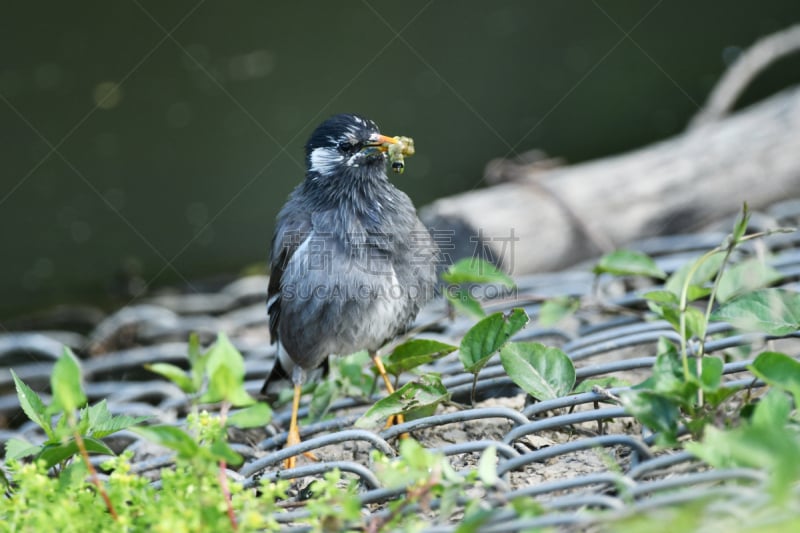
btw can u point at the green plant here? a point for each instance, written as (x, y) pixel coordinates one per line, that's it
(486, 338)
(71, 429)
(543, 372)
(64, 430)
(202, 451)
(223, 367)
(468, 272)
(686, 388)
(188, 499)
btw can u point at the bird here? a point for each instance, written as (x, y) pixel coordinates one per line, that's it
(351, 264)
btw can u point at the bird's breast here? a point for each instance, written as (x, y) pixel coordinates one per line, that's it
(340, 295)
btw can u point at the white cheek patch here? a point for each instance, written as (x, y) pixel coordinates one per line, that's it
(325, 160)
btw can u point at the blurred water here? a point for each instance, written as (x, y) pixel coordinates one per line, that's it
(145, 143)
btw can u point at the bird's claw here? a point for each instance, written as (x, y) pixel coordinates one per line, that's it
(395, 420)
(291, 439)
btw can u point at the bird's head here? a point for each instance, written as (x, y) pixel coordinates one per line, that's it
(348, 144)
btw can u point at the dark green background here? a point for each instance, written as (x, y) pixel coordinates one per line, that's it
(178, 176)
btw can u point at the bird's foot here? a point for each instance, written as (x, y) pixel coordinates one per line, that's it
(291, 439)
(394, 420)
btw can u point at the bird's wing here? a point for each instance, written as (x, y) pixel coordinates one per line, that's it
(289, 236)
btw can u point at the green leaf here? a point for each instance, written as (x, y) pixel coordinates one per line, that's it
(62, 430)
(527, 507)
(170, 437)
(414, 353)
(541, 371)
(715, 392)
(475, 516)
(102, 423)
(53, 454)
(667, 376)
(348, 376)
(256, 415)
(488, 336)
(553, 311)
(414, 399)
(487, 467)
(662, 297)
(628, 263)
(197, 362)
(665, 309)
(694, 318)
(745, 277)
(695, 292)
(741, 224)
(668, 312)
(175, 374)
(779, 370)
(463, 301)
(18, 448)
(32, 405)
(695, 322)
(763, 442)
(607, 382)
(74, 475)
(415, 463)
(96, 415)
(225, 368)
(666, 346)
(655, 410)
(322, 398)
(66, 383)
(771, 311)
(772, 412)
(82, 426)
(354, 374)
(707, 269)
(94, 445)
(711, 373)
(473, 270)
(222, 451)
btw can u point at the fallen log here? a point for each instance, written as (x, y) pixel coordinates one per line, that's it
(558, 216)
(547, 217)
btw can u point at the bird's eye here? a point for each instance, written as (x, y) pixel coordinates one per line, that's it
(348, 147)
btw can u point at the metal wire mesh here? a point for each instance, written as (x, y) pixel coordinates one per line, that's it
(575, 454)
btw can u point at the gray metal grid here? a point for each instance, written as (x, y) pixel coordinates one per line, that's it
(575, 455)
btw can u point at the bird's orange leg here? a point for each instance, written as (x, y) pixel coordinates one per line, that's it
(294, 431)
(396, 419)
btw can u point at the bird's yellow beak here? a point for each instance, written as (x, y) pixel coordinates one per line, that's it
(380, 142)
